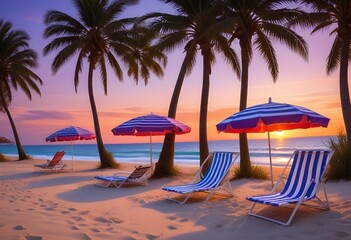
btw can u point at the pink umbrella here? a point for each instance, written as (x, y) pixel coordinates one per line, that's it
(71, 134)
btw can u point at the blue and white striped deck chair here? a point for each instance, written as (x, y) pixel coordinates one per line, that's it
(305, 177)
(215, 178)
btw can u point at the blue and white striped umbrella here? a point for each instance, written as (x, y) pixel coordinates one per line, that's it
(150, 125)
(271, 117)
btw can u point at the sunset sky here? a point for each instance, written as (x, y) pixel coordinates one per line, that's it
(299, 83)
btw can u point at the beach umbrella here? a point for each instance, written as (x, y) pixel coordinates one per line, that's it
(71, 134)
(150, 125)
(269, 117)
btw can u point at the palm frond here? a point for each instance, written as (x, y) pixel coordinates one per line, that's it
(288, 37)
(265, 48)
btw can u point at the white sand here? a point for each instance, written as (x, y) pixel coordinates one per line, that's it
(38, 205)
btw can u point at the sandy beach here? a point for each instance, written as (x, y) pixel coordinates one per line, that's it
(38, 205)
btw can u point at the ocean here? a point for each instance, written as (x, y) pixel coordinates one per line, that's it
(186, 153)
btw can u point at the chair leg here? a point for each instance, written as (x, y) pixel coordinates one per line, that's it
(102, 183)
(177, 201)
(251, 213)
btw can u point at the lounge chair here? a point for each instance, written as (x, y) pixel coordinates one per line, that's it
(215, 178)
(302, 184)
(54, 164)
(138, 177)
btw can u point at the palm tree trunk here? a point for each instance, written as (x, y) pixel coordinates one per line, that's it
(245, 163)
(344, 87)
(21, 153)
(106, 159)
(204, 151)
(165, 164)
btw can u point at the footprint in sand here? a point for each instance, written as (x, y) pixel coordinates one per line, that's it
(49, 209)
(171, 227)
(84, 212)
(33, 238)
(86, 237)
(75, 228)
(18, 227)
(151, 237)
(95, 230)
(78, 218)
(102, 220)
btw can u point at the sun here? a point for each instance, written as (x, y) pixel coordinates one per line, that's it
(279, 133)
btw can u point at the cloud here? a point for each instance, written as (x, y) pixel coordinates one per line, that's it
(44, 115)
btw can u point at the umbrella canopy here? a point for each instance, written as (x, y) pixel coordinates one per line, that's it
(150, 125)
(271, 117)
(71, 134)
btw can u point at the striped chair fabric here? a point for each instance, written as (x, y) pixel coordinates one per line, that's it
(306, 173)
(219, 167)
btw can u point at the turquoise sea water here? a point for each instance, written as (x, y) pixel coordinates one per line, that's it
(185, 152)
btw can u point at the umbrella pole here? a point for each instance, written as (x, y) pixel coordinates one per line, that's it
(72, 155)
(150, 150)
(270, 156)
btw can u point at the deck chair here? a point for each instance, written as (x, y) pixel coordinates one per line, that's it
(302, 184)
(55, 163)
(215, 178)
(138, 177)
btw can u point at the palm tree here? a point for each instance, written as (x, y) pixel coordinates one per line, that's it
(192, 26)
(16, 62)
(335, 14)
(257, 23)
(96, 37)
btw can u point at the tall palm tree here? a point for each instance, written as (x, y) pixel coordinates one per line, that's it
(335, 15)
(96, 36)
(16, 63)
(255, 24)
(192, 26)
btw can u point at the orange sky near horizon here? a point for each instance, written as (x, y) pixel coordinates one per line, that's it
(299, 82)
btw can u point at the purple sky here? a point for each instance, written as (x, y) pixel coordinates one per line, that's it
(299, 83)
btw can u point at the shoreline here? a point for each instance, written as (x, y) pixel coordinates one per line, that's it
(39, 205)
(146, 161)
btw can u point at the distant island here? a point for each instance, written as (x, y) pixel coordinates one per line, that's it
(5, 140)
